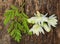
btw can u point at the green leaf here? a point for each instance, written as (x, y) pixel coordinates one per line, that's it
(25, 26)
(12, 32)
(10, 27)
(17, 35)
(17, 13)
(24, 15)
(14, 7)
(20, 27)
(6, 21)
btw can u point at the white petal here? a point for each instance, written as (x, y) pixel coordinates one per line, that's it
(32, 20)
(46, 27)
(37, 33)
(53, 16)
(41, 30)
(46, 14)
(52, 22)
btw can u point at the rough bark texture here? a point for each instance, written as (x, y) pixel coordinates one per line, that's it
(31, 6)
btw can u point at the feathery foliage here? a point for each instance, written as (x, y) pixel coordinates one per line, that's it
(17, 21)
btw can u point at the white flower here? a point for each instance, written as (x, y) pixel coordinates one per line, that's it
(52, 21)
(40, 21)
(36, 29)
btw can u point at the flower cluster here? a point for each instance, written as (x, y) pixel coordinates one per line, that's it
(41, 22)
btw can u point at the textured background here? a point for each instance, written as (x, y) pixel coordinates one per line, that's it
(31, 6)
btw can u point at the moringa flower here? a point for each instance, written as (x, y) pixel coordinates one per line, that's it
(41, 22)
(36, 29)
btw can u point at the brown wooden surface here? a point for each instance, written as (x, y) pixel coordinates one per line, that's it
(31, 6)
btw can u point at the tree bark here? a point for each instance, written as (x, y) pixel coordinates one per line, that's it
(31, 6)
